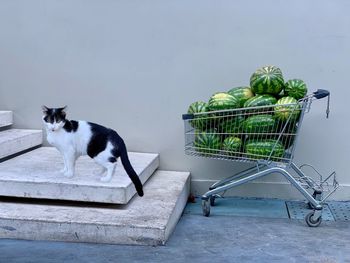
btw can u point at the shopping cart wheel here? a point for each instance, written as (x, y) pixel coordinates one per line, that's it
(212, 200)
(310, 221)
(206, 207)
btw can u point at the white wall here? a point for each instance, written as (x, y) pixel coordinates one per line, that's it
(136, 66)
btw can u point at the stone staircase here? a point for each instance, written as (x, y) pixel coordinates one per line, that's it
(39, 203)
(13, 141)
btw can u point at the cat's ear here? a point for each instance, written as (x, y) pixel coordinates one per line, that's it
(64, 110)
(44, 109)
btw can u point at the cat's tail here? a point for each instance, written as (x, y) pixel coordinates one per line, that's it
(131, 172)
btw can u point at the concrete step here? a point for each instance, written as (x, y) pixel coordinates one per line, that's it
(6, 118)
(147, 220)
(17, 140)
(36, 175)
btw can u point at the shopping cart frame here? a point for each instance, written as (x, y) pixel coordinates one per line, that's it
(313, 190)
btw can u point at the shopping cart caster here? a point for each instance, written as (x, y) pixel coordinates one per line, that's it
(310, 221)
(206, 207)
(317, 195)
(310, 206)
(212, 200)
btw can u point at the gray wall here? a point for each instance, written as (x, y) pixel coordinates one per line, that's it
(136, 66)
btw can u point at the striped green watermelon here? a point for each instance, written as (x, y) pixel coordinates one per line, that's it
(232, 145)
(231, 125)
(267, 80)
(260, 100)
(287, 112)
(197, 107)
(200, 121)
(264, 123)
(222, 101)
(295, 88)
(207, 142)
(262, 149)
(242, 93)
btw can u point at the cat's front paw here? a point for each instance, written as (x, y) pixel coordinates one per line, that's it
(68, 174)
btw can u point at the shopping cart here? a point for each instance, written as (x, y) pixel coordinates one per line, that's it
(265, 136)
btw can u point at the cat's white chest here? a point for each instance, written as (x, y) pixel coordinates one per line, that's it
(76, 141)
(58, 139)
(82, 138)
(50, 138)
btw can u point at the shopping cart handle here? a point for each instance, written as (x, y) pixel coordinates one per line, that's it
(187, 116)
(321, 93)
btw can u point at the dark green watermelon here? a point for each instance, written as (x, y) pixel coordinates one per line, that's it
(231, 125)
(207, 142)
(232, 145)
(200, 121)
(267, 80)
(261, 149)
(264, 123)
(295, 88)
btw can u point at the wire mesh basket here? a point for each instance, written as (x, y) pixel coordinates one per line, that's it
(263, 133)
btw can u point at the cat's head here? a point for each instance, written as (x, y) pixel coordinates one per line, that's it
(54, 118)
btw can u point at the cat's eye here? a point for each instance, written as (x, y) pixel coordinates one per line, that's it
(49, 119)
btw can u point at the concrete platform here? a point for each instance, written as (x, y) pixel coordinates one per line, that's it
(36, 175)
(17, 140)
(6, 118)
(147, 220)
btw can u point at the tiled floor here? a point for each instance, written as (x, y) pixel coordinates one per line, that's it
(299, 209)
(270, 208)
(340, 210)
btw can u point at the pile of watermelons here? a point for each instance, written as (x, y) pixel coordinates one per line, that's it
(248, 131)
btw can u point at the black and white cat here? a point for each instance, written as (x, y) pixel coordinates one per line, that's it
(77, 138)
